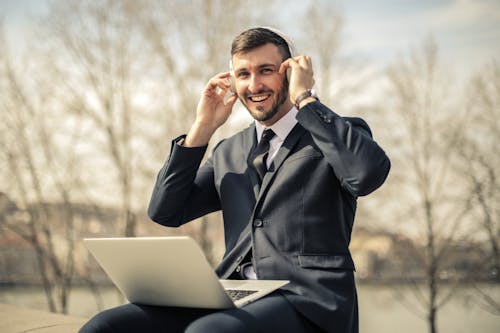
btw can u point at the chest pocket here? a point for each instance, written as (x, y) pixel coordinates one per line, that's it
(306, 152)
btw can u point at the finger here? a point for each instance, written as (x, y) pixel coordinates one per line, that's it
(219, 77)
(288, 63)
(223, 75)
(223, 90)
(309, 62)
(219, 83)
(231, 100)
(304, 61)
(284, 66)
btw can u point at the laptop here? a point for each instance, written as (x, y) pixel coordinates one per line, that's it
(172, 271)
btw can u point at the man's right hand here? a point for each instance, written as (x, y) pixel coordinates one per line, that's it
(211, 112)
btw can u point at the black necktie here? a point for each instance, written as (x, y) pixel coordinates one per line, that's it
(261, 151)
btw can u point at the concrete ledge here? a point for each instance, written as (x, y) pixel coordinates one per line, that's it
(14, 319)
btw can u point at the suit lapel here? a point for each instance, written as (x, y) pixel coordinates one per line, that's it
(249, 143)
(285, 150)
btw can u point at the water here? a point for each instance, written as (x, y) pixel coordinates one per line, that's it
(380, 310)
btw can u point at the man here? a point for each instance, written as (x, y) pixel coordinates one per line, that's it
(288, 202)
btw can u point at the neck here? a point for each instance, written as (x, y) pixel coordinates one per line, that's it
(283, 110)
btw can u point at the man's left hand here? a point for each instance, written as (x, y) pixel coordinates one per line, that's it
(301, 76)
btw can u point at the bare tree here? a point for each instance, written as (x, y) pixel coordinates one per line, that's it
(481, 164)
(37, 172)
(98, 62)
(427, 127)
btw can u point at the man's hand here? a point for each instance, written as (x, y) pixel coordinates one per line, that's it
(211, 112)
(301, 76)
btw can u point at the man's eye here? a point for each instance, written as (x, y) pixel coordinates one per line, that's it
(267, 71)
(242, 75)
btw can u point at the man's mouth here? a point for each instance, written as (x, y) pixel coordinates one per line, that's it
(259, 98)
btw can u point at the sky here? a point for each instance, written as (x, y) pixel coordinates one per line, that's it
(467, 31)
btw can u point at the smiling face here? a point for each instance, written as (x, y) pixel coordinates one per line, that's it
(261, 89)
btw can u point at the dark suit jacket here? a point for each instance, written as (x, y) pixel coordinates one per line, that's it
(299, 222)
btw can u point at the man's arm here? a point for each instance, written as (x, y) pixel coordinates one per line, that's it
(183, 191)
(357, 160)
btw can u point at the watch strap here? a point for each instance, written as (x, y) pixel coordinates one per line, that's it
(303, 96)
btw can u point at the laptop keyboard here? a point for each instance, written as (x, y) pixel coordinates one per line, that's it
(239, 294)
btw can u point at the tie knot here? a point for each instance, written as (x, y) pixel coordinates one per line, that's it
(267, 135)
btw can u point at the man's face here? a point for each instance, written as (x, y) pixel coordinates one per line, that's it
(261, 89)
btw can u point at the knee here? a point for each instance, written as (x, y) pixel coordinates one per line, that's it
(97, 324)
(200, 326)
(221, 323)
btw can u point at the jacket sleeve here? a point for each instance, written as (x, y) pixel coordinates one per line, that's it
(357, 160)
(183, 190)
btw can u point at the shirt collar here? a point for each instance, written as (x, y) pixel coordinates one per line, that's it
(282, 127)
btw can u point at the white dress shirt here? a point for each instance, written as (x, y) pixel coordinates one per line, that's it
(281, 128)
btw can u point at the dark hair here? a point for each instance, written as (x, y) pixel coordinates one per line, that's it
(255, 37)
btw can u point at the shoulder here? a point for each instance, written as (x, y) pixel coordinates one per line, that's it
(240, 140)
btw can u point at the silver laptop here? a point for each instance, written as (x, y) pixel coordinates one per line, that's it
(172, 271)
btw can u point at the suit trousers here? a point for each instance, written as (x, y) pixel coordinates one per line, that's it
(270, 314)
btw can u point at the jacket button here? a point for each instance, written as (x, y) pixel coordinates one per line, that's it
(238, 268)
(321, 113)
(258, 223)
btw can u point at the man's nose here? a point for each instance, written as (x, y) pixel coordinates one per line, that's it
(255, 83)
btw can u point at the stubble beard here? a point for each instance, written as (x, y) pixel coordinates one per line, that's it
(262, 115)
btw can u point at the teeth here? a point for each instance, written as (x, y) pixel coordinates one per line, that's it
(259, 98)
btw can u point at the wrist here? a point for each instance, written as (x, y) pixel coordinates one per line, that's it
(305, 98)
(306, 101)
(199, 135)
